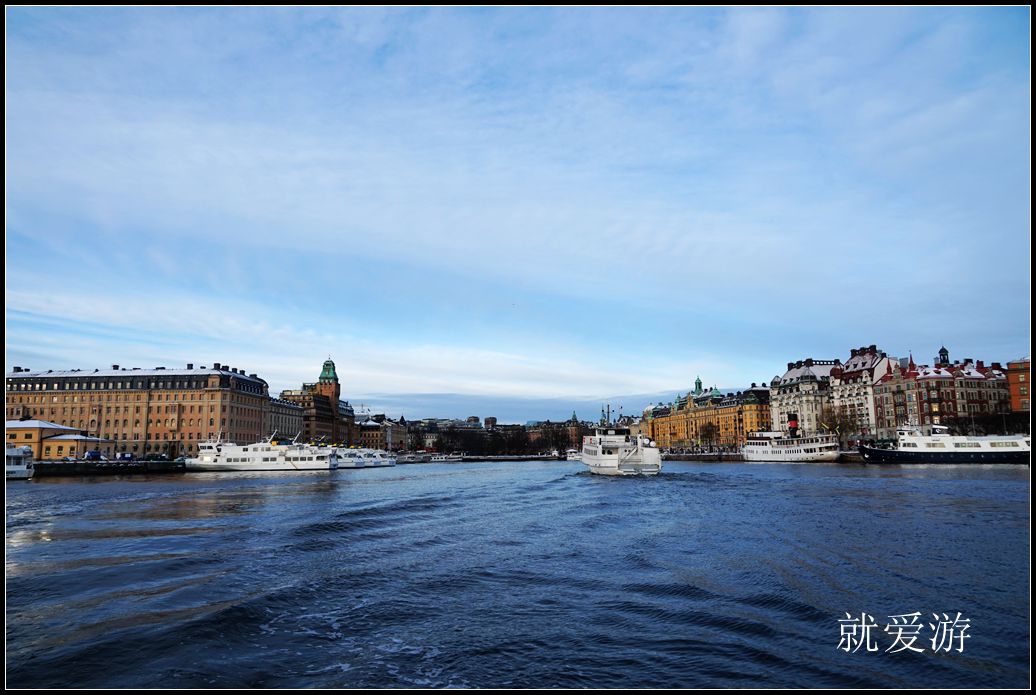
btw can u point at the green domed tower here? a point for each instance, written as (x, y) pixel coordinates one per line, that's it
(328, 384)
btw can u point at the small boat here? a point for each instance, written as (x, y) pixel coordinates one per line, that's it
(19, 462)
(351, 458)
(780, 448)
(376, 458)
(613, 451)
(573, 455)
(915, 446)
(268, 455)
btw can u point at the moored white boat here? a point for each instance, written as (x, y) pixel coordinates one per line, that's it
(19, 463)
(914, 446)
(573, 455)
(779, 448)
(268, 455)
(613, 451)
(351, 458)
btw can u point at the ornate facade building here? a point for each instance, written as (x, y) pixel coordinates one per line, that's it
(144, 411)
(943, 393)
(325, 417)
(803, 393)
(708, 417)
(852, 386)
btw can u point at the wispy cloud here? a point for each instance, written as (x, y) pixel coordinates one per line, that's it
(530, 201)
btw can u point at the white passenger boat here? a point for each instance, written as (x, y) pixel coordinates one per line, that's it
(376, 458)
(780, 448)
(613, 451)
(939, 446)
(19, 462)
(573, 455)
(351, 458)
(364, 458)
(268, 455)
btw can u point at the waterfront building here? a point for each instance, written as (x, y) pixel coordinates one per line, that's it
(945, 393)
(708, 417)
(144, 411)
(325, 417)
(803, 392)
(284, 418)
(1019, 376)
(852, 386)
(380, 432)
(50, 441)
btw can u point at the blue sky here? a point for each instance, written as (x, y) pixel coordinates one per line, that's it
(514, 206)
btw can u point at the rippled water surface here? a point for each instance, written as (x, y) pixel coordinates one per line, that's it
(515, 574)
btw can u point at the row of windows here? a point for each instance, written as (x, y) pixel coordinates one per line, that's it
(21, 385)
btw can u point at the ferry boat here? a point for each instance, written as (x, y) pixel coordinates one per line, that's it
(915, 446)
(376, 458)
(267, 455)
(364, 458)
(613, 451)
(447, 458)
(19, 462)
(351, 458)
(778, 447)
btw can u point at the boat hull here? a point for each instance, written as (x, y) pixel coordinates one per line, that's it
(872, 455)
(19, 473)
(762, 457)
(609, 465)
(203, 466)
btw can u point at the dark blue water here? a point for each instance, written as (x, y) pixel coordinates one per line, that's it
(515, 574)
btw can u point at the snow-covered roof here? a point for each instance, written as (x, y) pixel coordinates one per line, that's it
(926, 372)
(41, 424)
(803, 372)
(77, 437)
(861, 361)
(130, 373)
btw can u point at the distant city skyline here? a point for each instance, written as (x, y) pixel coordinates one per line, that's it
(526, 207)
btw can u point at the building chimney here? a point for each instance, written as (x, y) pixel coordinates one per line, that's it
(790, 365)
(190, 365)
(254, 376)
(215, 365)
(115, 367)
(809, 361)
(853, 352)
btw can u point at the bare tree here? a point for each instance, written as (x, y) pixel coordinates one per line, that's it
(840, 422)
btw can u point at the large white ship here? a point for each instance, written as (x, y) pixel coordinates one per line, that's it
(780, 448)
(915, 446)
(613, 451)
(268, 455)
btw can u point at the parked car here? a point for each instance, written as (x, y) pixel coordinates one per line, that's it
(94, 455)
(124, 456)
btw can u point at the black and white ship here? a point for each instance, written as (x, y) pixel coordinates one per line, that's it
(939, 446)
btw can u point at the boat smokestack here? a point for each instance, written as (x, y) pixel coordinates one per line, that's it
(793, 425)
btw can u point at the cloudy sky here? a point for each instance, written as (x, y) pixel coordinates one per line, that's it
(497, 205)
